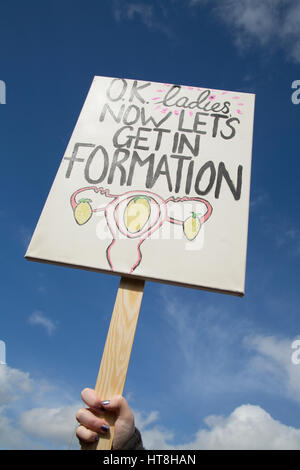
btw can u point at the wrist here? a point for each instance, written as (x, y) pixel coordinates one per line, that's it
(134, 442)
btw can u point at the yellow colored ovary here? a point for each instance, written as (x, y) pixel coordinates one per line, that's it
(83, 211)
(137, 214)
(191, 226)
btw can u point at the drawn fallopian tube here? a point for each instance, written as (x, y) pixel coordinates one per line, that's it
(136, 216)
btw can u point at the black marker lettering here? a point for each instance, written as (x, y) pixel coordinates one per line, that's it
(160, 171)
(233, 131)
(216, 123)
(135, 91)
(207, 166)
(184, 141)
(137, 160)
(135, 115)
(197, 122)
(128, 140)
(159, 137)
(116, 118)
(180, 124)
(120, 86)
(138, 138)
(73, 157)
(116, 163)
(223, 173)
(89, 162)
(145, 121)
(180, 159)
(189, 177)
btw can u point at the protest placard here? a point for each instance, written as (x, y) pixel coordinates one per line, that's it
(154, 185)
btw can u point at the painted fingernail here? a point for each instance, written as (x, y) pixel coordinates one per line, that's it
(105, 402)
(104, 428)
(96, 438)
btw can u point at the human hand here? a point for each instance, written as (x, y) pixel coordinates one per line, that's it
(93, 423)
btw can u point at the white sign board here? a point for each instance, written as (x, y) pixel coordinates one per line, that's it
(155, 184)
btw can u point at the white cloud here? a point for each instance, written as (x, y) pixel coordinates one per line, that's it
(248, 427)
(288, 237)
(292, 20)
(11, 437)
(154, 436)
(274, 357)
(42, 289)
(131, 10)
(198, 330)
(284, 234)
(255, 18)
(270, 23)
(55, 424)
(39, 318)
(139, 11)
(145, 12)
(142, 420)
(209, 342)
(23, 234)
(38, 427)
(36, 414)
(259, 199)
(13, 384)
(24, 424)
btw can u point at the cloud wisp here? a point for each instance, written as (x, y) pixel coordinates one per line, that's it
(267, 23)
(141, 12)
(39, 318)
(273, 357)
(224, 348)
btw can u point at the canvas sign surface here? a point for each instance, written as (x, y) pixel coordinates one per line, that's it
(154, 183)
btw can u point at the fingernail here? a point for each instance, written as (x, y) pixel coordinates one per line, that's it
(104, 428)
(105, 402)
(96, 438)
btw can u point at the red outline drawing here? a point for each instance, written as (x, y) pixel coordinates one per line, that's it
(115, 209)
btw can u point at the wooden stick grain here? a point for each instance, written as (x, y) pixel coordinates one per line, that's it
(115, 359)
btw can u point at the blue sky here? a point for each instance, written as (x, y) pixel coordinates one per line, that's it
(207, 370)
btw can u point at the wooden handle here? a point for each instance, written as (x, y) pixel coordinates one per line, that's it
(117, 350)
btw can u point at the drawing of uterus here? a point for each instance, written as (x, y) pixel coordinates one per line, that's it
(134, 216)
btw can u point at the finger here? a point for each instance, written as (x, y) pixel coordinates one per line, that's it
(91, 421)
(90, 397)
(117, 404)
(86, 435)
